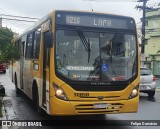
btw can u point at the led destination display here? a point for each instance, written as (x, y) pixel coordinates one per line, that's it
(94, 20)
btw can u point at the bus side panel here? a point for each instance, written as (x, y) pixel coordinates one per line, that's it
(28, 78)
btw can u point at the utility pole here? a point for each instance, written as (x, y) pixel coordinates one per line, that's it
(143, 26)
(144, 8)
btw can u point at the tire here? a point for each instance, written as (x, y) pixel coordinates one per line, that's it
(18, 91)
(151, 93)
(36, 100)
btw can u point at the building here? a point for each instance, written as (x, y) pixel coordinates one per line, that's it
(152, 38)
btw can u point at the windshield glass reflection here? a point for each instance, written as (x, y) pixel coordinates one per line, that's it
(91, 56)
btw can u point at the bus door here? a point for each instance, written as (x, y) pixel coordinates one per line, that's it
(46, 63)
(22, 64)
(46, 37)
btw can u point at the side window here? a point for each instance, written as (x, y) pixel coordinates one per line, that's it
(29, 46)
(36, 46)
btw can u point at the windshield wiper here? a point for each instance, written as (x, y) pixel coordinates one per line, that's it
(86, 43)
(113, 41)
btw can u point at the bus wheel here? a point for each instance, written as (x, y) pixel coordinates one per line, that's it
(18, 91)
(36, 100)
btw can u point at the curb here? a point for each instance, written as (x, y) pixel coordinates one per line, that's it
(9, 113)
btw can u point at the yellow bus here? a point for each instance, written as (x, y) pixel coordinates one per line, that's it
(77, 63)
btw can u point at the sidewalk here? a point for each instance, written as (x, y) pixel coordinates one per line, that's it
(8, 113)
(3, 110)
(7, 108)
(3, 118)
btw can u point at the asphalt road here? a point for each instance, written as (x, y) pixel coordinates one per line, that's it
(149, 109)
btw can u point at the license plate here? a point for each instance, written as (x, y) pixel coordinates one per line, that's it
(143, 87)
(100, 106)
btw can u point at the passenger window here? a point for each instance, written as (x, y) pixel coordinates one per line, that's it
(36, 46)
(29, 46)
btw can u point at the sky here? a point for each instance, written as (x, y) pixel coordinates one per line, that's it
(39, 8)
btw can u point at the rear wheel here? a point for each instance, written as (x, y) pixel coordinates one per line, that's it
(151, 93)
(18, 91)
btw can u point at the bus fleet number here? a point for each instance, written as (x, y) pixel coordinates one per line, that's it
(73, 20)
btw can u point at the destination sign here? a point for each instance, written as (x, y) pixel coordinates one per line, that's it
(94, 20)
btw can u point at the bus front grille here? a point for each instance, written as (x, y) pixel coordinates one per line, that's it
(89, 108)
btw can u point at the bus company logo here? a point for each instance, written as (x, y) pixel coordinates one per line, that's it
(100, 97)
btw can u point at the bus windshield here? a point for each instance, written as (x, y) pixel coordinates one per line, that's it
(95, 56)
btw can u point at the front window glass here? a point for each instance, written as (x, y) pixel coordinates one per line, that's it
(93, 56)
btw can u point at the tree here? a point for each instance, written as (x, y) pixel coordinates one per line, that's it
(8, 51)
(6, 35)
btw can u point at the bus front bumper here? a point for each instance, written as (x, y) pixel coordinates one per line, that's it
(60, 107)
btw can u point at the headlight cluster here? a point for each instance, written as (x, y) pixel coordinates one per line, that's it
(59, 93)
(134, 92)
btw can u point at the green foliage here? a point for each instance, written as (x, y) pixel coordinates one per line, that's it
(8, 52)
(6, 35)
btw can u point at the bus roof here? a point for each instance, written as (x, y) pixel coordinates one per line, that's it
(49, 15)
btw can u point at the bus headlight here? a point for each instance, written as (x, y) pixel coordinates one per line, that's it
(59, 93)
(134, 92)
